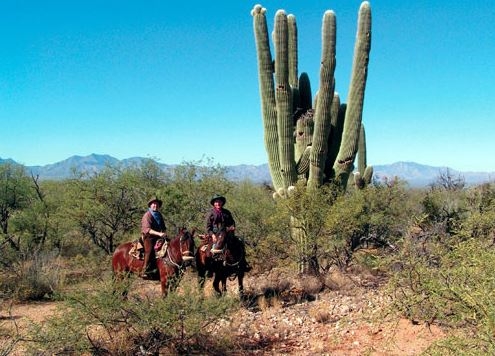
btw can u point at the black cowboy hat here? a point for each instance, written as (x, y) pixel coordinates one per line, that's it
(218, 197)
(155, 199)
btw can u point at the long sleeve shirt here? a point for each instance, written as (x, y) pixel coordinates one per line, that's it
(148, 222)
(218, 219)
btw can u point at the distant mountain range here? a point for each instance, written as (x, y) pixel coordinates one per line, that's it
(417, 175)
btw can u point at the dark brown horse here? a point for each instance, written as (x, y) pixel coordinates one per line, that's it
(230, 263)
(179, 254)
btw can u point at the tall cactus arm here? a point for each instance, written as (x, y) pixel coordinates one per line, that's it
(293, 63)
(335, 137)
(283, 98)
(368, 175)
(306, 100)
(365, 170)
(361, 155)
(347, 153)
(322, 120)
(293, 60)
(267, 93)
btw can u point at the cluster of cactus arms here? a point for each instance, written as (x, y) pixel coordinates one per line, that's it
(314, 141)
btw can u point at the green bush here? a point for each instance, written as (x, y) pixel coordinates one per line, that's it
(35, 278)
(453, 284)
(100, 321)
(252, 206)
(377, 216)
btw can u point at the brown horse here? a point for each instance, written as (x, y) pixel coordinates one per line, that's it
(230, 263)
(179, 254)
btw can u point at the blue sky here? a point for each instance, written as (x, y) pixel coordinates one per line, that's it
(177, 81)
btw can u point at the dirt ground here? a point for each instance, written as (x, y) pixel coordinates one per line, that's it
(343, 321)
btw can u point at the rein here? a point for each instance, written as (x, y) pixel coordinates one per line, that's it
(168, 259)
(224, 249)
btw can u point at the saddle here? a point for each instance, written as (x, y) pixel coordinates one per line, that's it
(137, 249)
(161, 248)
(206, 246)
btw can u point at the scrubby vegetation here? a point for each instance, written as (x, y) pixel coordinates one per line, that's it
(434, 247)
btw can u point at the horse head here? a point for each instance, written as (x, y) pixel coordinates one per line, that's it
(223, 236)
(186, 244)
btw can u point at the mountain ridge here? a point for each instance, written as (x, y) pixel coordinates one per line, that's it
(415, 174)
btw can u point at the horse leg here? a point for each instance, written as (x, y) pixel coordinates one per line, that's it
(201, 278)
(164, 274)
(202, 267)
(121, 270)
(240, 280)
(164, 284)
(224, 284)
(174, 280)
(216, 284)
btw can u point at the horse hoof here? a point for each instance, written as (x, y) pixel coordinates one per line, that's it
(149, 276)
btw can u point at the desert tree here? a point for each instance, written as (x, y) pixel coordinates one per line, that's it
(106, 205)
(15, 194)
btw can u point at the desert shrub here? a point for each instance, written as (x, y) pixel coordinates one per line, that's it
(377, 216)
(34, 278)
(337, 226)
(444, 205)
(450, 283)
(295, 226)
(480, 217)
(38, 275)
(276, 248)
(8, 339)
(252, 205)
(101, 322)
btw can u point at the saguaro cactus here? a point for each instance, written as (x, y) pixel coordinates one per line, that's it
(298, 136)
(314, 142)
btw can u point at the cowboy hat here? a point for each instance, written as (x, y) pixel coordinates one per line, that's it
(155, 199)
(218, 197)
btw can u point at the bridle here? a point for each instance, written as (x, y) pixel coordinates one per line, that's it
(186, 255)
(225, 247)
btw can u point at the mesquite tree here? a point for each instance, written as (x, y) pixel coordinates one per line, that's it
(316, 143)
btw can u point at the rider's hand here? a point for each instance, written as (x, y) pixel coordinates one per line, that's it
(214, 237)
